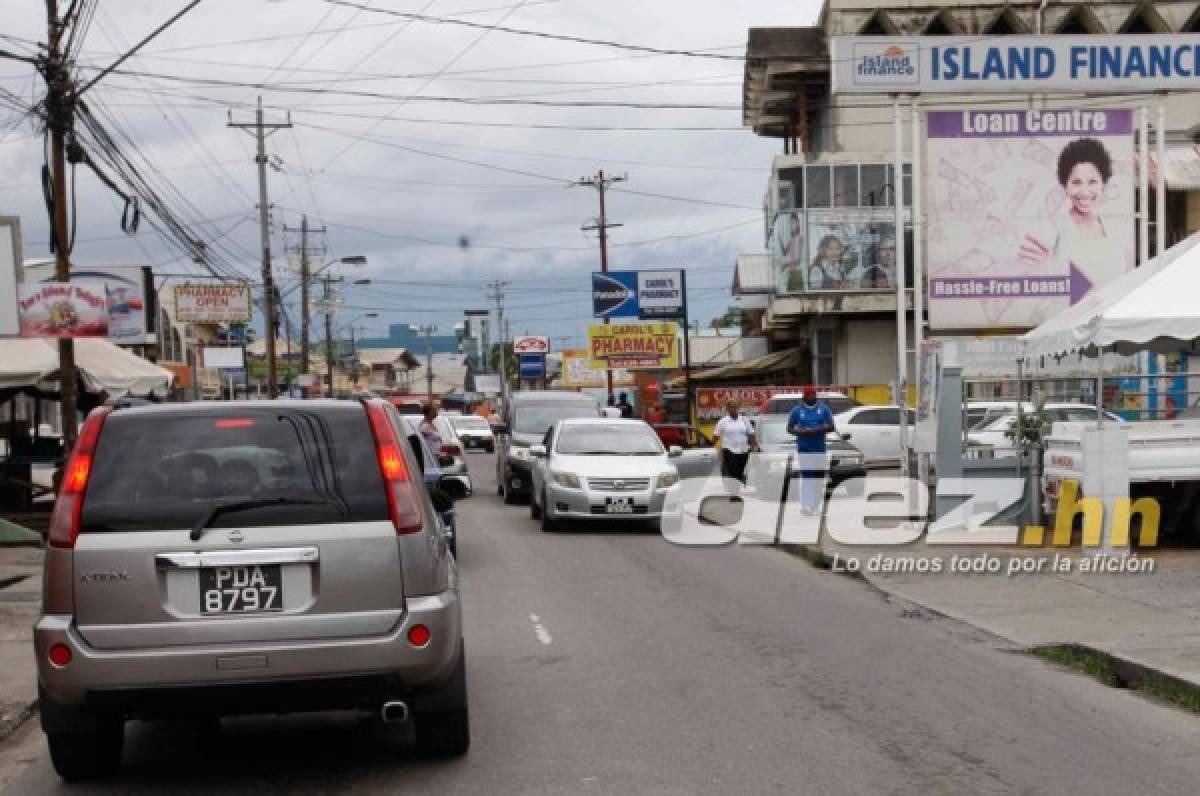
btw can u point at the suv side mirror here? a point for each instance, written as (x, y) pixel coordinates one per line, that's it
(674, 451)
(538, 450)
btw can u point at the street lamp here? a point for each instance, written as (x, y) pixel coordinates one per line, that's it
(326, 307)
(354, 341)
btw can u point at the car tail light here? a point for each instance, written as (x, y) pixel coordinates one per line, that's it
(451, 450)
(64, 522)
(419, 635)
(403, 502)
(59, 655)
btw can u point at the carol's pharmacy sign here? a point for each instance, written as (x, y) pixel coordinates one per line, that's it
(1015, 64)
(214, 303)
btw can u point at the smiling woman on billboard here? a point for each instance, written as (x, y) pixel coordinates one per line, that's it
(1083, 239)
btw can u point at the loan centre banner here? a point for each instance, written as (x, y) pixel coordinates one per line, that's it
(1028, 211)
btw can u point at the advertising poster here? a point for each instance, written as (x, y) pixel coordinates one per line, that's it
(212, 303)
(615, 294)
(634, 346)
(530, 344)
(711, 401)
(1028, 211)
(661, 294)
(577, 371)
(11, 275)
(130, 290)
(64, 309)
(788, 251)
(851, 250)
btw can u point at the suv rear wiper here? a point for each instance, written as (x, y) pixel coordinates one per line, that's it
(207, 518)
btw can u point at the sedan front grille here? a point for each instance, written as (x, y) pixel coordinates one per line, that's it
(619, 484)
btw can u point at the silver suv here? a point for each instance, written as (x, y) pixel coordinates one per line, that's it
(237, 558)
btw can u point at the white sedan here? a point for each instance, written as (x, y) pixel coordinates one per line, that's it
(874, 430)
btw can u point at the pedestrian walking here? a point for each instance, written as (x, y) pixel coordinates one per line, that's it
(428, 428)
(735, 436)
(809, 422)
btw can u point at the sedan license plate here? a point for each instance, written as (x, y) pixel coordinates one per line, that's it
(241, 589)
(618, 505)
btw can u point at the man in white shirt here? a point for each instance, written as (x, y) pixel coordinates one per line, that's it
(735, 435)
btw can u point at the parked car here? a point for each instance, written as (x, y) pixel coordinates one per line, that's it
(474, 432)
(998, 434)
(699, 457)
(443, 490)
(784, 402)
(527, 418)
(452, 447)
(845, 460)
(874, 430)
(245, 557)
(600, 468)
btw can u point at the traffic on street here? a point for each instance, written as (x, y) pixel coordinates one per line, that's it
(561, 397)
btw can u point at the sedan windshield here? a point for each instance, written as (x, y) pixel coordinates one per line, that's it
(538, 419)
(608, 440)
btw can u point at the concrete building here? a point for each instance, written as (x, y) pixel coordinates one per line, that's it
(835, 176)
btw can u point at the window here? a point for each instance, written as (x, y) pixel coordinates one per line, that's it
(845, 186)
(603, 439)
(870, 417)
(818, 191)
(874, 177)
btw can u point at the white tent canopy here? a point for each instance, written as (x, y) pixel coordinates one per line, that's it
(103, 367)
(1155, 307)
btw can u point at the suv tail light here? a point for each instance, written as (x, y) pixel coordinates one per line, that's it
(64, 522)
(403, 500)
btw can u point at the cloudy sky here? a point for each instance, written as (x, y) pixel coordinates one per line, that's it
(441, 194)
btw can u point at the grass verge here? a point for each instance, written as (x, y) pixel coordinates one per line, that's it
(1117, 673)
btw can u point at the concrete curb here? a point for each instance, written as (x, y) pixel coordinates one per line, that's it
(10, 723)
(1130, 674)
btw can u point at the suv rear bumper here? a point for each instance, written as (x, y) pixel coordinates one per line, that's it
(131, 680)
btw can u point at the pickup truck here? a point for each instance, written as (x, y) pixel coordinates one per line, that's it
(1164, 462)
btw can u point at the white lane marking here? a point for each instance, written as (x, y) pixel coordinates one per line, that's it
(539, 630)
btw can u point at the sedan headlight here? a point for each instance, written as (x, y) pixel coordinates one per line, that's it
(569, 480)
(521, 454)
(668, 479)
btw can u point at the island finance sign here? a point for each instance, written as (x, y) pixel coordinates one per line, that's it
(634, 346)
(1015, 64)
(1028, 211)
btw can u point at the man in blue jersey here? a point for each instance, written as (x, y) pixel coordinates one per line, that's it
(809, 422)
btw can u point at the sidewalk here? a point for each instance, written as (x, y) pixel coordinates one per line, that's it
(1149, 619)
(20, 600)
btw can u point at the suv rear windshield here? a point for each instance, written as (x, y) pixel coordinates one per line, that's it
(164, 470)
(537, 418)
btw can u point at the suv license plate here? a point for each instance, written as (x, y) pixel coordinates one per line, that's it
(619, 506)
(241, 589)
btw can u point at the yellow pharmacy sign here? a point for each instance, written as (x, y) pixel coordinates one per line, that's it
(634, 346)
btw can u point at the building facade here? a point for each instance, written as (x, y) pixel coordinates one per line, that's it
(830, 231)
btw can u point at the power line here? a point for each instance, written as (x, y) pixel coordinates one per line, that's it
(540, 34)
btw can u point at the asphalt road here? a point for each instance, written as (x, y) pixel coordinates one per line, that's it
(608, 661)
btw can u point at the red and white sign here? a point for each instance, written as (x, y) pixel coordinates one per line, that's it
(212, 303)
(711, 401)
(527, 344)
(64, 309)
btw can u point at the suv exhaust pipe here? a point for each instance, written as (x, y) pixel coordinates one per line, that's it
(394, 712)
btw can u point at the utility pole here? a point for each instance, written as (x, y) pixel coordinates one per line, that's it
(601, 183)
(427, 330)
(261, 131)
(497, 295)
(305, 252)
(59, 118)
(327, 303)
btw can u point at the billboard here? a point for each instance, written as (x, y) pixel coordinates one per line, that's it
(531, 366)
(1028, 210)
(529, 344)
(10, 276)
(646, 295)
(212, 303)
(577, 371)
(64, 309)
(634, 346)
(130, 288)
(1071, 64)
(224, 357)
(836, 249)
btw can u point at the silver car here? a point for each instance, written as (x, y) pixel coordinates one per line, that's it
(600, 468)
(252, 557)
(474, 432)
(452, 447)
